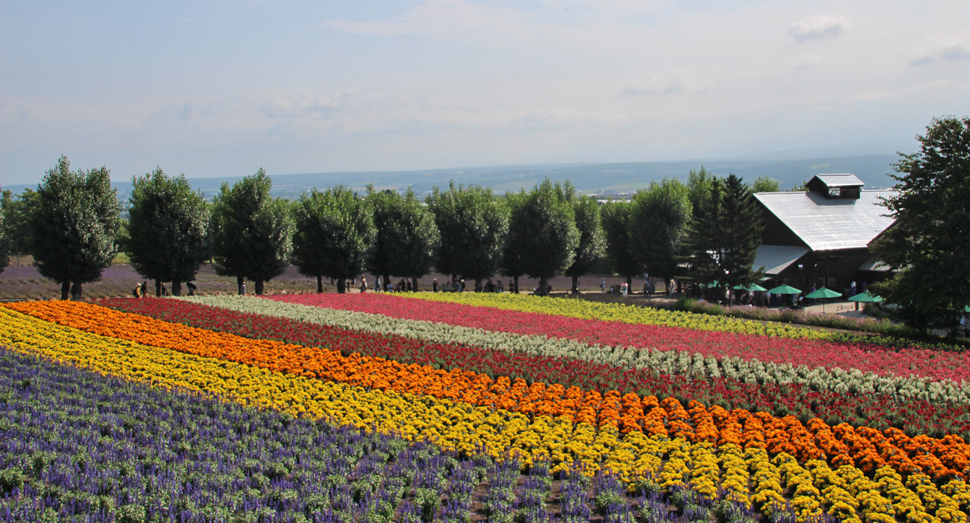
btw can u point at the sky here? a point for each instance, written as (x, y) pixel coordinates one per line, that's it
(222, 88)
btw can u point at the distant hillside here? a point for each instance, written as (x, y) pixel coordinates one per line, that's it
(588, 178)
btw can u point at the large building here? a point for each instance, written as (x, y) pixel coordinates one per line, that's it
(821, 236)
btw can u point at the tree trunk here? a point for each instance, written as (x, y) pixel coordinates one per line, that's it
(478, 285)
(65, 290)
(259, 287)
(76, 291)
(385, 281)
(319, 284)
(239, 285)
(158, 288)
(341, 286)
(629, 283)
(176, 287)
(515, 280)
(414, 285)
(543, 286)
(575, 289)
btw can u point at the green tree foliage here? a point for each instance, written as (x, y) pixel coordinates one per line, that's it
(765, 184)
(334, 234)
(723, 241)
(5, 243)
(473, 224)
(616, 218)
(699, 186)
(72, 221)
(407, 237)
(253, 231)
(658, 226)
(167, 236)
(543, 228)
(16, 225)
(589, 250)
(512, 264)
(929, 243)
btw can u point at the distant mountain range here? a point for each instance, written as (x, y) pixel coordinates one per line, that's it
(600, 178)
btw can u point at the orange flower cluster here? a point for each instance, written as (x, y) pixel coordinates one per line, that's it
(864, 447)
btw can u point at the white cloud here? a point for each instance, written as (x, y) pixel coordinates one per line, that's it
(942, 47)
(817, 27)
(678, 82)
(303, 104)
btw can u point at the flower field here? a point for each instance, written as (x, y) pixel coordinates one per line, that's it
(378, 408)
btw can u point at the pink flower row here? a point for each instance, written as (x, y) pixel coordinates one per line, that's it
(812, 353)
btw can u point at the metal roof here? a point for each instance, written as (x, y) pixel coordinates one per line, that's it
(776, 258)
(825, 224)
(840, 180)
(874, 266)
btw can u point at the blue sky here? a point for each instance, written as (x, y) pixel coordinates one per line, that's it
(220, 88)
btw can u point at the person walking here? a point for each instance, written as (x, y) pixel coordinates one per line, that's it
(363, 285)
(603, 285)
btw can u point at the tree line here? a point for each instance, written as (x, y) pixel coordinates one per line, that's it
(72, 226)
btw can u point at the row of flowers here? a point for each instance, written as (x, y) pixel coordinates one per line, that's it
(845, 492)
(692, 364)
(652, 316)
(802, 400)
(865, 447)
(541, 319)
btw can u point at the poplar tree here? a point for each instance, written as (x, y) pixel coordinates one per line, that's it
(5, 242)
(253, 231)
(616, 216)
(658, 225)
(334, 234)
(591, 244)
(168, 229)
(407, 238)
(543, 228)
(72, 220)
(473, 225)
(511, 264)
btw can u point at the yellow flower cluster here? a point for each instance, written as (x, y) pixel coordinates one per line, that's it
(590, 310)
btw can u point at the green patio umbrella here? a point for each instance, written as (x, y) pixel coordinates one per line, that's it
(784, 289)
(823, 293)
(753, 287)
(867, 297)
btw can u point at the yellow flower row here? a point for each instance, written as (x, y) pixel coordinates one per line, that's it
(589, 310)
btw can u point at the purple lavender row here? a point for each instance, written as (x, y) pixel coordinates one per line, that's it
(79, 446)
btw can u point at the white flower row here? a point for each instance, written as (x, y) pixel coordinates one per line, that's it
(851, 381)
